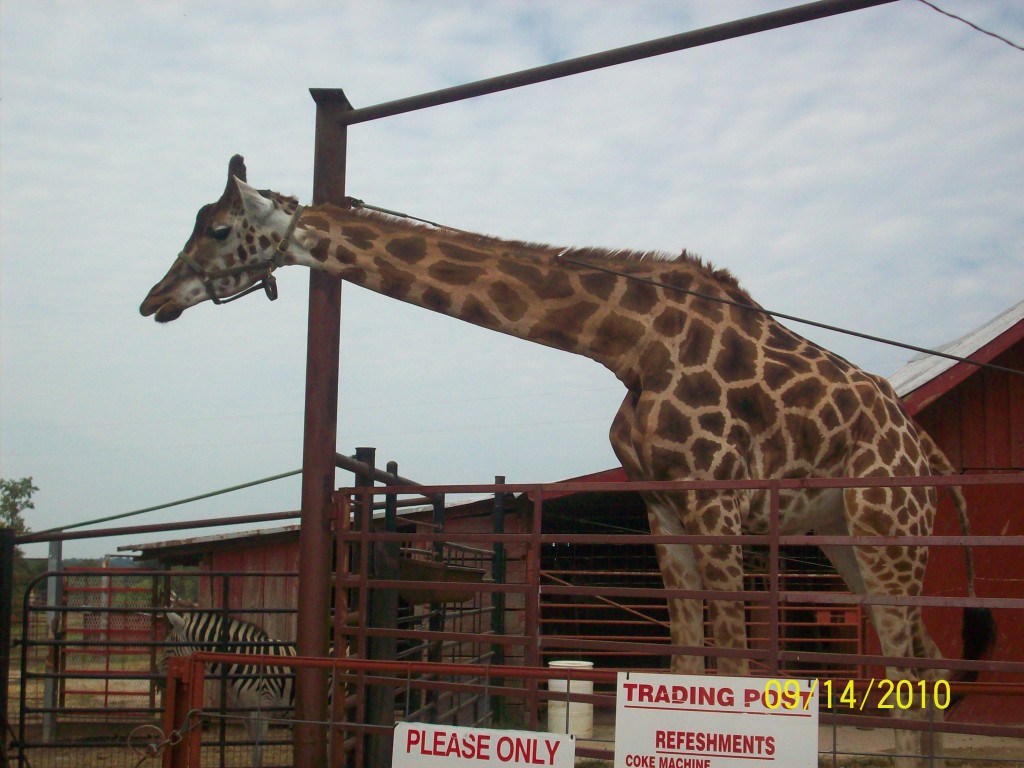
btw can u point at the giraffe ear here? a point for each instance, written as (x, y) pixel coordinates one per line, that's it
(257, 207)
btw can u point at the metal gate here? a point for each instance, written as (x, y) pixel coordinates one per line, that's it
(510, 595)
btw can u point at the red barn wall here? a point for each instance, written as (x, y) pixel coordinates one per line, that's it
(979, 424)
(248, 596)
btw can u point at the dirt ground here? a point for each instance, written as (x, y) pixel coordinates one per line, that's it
(855, 748)
(842, 747)
(875, 743)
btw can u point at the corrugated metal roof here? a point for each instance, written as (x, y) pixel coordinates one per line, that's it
(205, 541)
(202, 542)
(924, 367)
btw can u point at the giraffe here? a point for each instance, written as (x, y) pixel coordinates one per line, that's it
(713, 391)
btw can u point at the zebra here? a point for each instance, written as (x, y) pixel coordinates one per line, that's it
(256, 689)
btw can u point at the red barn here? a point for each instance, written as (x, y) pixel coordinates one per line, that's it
(976, 415)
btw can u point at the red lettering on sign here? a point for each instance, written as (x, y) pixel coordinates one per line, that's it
(639, 761)
(694, 695)
(413, 738)
(450, 744)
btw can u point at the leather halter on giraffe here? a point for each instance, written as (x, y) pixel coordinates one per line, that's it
(713, 391)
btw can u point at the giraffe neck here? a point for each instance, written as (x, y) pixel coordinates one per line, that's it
(517, 288)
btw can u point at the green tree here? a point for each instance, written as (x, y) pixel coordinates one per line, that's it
(15, 498)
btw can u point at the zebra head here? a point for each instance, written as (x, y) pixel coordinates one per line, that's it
(177, 633)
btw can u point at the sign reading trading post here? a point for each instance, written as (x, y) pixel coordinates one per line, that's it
(419, 745)
(684, 721)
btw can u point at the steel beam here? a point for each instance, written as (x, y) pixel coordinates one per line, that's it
(714, 34)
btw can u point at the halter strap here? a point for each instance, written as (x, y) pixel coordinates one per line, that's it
(268, 282)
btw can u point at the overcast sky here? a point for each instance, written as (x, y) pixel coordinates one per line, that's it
(865, 171)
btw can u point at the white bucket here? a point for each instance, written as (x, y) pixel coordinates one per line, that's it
(578, 717)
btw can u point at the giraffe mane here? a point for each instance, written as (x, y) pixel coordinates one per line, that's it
(272, 195)
(683, 258)
(534, 250)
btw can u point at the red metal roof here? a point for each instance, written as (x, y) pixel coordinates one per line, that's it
(927, 377)
(615, 475)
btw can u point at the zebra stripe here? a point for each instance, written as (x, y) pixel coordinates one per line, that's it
(251, 687)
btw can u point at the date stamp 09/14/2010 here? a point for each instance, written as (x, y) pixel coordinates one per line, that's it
(849, 694)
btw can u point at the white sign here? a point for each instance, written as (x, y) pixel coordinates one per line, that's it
(686, 721)
(419, 745)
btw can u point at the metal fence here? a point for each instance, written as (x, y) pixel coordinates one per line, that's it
(462, 630)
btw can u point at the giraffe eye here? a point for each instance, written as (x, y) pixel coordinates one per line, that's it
(220, 232)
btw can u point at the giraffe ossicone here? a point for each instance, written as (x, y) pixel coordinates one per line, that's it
(713, 391)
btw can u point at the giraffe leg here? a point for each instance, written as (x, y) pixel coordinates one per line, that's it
(710, 567)
(901, 631)
(721, 569)
(678, 567)
(675, 561)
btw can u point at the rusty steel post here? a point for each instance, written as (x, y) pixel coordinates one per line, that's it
(343, 621)
(183, 700)
(532, 654)
(8, 553)
(498, 571)
(774, 604)
(383, 613)
(319, 443)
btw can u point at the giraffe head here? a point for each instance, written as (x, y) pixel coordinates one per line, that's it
(236, 244)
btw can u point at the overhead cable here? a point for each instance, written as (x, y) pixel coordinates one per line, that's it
(793, 318)
(972, 25)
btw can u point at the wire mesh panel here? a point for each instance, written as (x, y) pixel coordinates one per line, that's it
(86, 665)
(89, 687)
(106, 653)
(472, 599)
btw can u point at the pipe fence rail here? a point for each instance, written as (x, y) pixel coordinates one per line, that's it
(451, 611)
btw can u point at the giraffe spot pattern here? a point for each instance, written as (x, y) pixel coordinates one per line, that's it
(618, 335)
(394, 282)
(640, 298)
(574, 317)
(507, 301)
(475, 312)
(737, 359)
(460, 253)
(440, 301)
(753, 406)
(411, 250)
(451, 273)
(599, 284)
(696, 347)
(672, 422)
(343, 255)
(719, 391)
(699, 389)
(359, 236)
